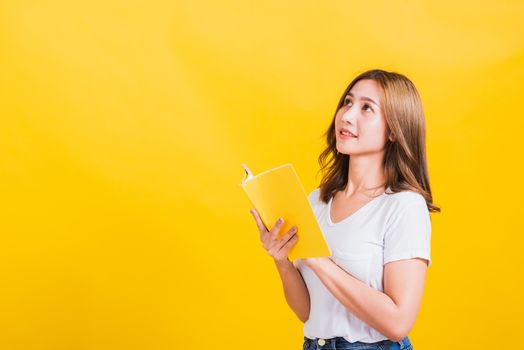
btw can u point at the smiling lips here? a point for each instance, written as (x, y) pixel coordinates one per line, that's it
(345, 133)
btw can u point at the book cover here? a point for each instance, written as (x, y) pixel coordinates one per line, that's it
(278, 192)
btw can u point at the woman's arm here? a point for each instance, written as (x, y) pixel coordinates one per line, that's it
(295, 290)
(391, 313)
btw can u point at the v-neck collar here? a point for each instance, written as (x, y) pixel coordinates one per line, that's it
(355, 213)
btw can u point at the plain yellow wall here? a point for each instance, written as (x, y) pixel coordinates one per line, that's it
(124, 125)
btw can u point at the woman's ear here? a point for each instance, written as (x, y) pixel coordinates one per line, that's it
(392, 137)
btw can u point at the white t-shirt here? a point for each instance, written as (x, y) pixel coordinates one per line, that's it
(392, 226)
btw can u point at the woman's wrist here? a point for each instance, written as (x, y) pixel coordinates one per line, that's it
(283, 264)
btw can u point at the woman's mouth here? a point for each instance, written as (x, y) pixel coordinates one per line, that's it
(346, 135)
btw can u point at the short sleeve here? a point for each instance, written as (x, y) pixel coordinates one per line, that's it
(313, 198)
(408, 233)
(297, 263)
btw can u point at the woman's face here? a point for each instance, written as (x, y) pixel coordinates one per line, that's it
(361, 114)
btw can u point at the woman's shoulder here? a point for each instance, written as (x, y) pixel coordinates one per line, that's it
(314, 196)
(314, 200)
(403, 199)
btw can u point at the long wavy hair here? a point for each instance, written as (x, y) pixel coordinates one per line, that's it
(405, 165)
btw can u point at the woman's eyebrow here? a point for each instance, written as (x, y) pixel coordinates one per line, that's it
(365, 99)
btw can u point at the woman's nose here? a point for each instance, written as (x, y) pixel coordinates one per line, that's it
(350, 115)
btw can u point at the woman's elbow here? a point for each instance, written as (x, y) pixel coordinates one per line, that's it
(303, 318)
(396, 337)
(399, 332)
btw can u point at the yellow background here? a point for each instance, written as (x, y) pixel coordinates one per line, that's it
(124, 125)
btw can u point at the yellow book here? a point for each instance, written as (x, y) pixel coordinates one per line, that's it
(278, 192)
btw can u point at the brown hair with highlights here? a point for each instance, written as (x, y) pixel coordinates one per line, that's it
(405, 165)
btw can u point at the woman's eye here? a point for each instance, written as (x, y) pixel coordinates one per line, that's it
(346, 101)
(368, 106)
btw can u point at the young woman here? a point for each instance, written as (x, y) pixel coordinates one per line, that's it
(373, 206)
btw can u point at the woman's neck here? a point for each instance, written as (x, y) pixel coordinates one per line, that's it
(366, 175)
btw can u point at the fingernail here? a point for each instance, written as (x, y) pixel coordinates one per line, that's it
(251, 211)
(280, 220)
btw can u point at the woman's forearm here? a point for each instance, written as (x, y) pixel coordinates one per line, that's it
(372, 306)
(295, 290)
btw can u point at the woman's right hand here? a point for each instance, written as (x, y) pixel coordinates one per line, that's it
(277, 248)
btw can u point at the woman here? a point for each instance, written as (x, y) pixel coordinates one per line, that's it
(373, 206)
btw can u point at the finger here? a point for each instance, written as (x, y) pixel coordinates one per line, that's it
(276, 228)
(261, 227)
(284, 251)
(270, 238)
(278, 244)
(289, 234)
(285, 244)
